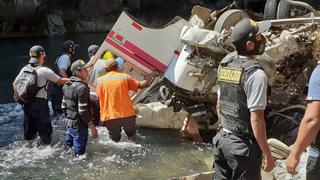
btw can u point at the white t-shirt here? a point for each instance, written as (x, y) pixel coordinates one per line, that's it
(44, 75)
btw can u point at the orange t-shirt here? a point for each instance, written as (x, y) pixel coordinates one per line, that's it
(113, 92)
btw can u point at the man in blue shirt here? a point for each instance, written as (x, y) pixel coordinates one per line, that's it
(309, 131)
(63, 64)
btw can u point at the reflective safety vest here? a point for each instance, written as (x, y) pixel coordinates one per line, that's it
(234, 112)
(71, 104)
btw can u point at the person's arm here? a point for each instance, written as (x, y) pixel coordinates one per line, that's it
(308, 130)
(259, 132)
(83, 109)
(63, 81)
(145, 83)
(256, 91)
(51, 76)
(63, 73)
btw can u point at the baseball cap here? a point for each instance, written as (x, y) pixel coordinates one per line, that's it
(69, 44)
(110, 63)
(92, 49)
(120, 62)
(34, 53)
(246, 28)
(77, 65)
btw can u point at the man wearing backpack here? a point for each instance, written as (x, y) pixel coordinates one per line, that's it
(34, 98)
(62, 68)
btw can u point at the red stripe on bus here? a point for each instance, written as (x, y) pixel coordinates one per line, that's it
(111, 33)
(177, 52)
(136, 25)
(126, 52)
(119, 37)
(145, 56)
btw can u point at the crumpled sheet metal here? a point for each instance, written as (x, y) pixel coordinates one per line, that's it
(195, 36)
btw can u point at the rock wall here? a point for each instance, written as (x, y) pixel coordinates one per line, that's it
(21, 18)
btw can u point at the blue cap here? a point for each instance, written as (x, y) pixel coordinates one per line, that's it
(120, 62)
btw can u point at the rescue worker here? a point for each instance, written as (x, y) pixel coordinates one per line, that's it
(120, 63)
(242, 99)
(97, 71)
(116, 108)
(309, 132)
(92, 50)
(75, 106)
(63, 69)
(36, 114)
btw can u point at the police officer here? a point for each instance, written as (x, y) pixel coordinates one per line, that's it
(75, 106)
(63, 69)
(242, 98)
(36, 113)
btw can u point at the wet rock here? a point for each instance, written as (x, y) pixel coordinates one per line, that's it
(158, 115)
(55, 24)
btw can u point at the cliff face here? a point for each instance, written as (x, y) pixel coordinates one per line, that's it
(21, 18)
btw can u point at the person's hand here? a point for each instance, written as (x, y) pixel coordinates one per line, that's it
(292, 163)
(268, 163)
(155, 74)
(94, 132)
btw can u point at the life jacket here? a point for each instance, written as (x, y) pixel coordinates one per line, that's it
(234, 112)
(26, 85)
(71, 100)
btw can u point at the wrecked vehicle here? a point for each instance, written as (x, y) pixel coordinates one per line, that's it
(186, 54)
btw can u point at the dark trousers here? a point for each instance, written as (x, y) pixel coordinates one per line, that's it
(114, 127)
(37, 120)
(94, 109)
(236, 158)
(77, 138)
(313, 168)
(56, 98)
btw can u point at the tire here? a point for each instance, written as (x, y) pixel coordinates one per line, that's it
(229, 19)
(283, 10)
(270, 10)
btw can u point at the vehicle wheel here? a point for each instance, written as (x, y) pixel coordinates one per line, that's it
(270, 10)
(229, 19)
(283, 10)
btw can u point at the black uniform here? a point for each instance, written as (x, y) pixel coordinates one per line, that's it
(237, 155)
(75, 106)
(56, 90)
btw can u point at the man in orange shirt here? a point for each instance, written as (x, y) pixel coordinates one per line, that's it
(116, 108)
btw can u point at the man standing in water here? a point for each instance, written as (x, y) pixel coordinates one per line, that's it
(75, 106)
(97, 70)
(63, 69)
(309, 132)
(36, 113)
(241, 104)
(116, 108)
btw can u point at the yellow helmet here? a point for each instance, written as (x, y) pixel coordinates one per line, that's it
(108, 55)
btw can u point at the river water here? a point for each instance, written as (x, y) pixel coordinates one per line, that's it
(157, 154)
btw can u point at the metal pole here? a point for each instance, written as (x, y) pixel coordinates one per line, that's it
(288, 21)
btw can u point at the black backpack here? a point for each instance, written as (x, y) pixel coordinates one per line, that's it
(26, 86)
